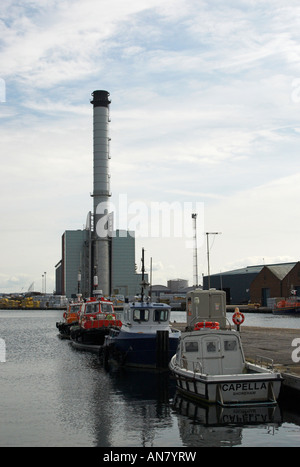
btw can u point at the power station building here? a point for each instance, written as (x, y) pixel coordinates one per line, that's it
(98, 257)
(73, 274)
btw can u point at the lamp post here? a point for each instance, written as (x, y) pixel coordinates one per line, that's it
(45, 283)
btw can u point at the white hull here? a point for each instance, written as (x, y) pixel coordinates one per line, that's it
(261, 387)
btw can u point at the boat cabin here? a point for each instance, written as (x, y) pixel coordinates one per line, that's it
(206, 305)
(94, 307)
(146, 316)
(211, 353)
(98, 313)
(72, 313)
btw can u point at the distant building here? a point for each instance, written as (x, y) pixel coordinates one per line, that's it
(157, 290)
(235, 283)
(256, 284)
(275, 281)
(176, 285)
(76, 259)
(124, 278)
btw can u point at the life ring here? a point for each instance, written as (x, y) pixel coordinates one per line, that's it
(238, 318)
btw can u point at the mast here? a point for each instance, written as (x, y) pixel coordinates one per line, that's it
(195, 255)
(143, 276)
(143, 283)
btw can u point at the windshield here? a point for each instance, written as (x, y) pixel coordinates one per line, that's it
(92, 308)
(106, 308)
(140, 315)
(161, 315)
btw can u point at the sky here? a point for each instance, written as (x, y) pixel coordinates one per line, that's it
(205, 118)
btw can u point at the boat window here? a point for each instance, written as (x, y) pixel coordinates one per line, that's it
(75, 309)
(191, 346)
(230, 345)
(161, 315)
(91, 308)
(140, 315)
(211, 346)
(106, 308)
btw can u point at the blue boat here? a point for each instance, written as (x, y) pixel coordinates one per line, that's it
(145, 339)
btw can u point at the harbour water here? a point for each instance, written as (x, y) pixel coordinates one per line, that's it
(53, 395)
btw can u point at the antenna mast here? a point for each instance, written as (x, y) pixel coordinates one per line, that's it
(195, 255)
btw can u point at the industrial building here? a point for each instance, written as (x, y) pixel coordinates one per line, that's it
(73, 272)
(257, 284)
(235, 283)
(97, 257)
(177, 285)
(274, 281)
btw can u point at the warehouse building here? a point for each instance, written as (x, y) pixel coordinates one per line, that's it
(235, 283)
(257, 284)
(274, 281)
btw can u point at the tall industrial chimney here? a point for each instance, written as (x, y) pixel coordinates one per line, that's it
(101, 188)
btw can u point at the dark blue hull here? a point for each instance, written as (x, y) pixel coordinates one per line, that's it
(142, 350)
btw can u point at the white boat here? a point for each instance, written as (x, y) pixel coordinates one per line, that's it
(210, 365)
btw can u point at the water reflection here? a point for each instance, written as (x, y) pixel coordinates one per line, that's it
(149, 412)
(145, 412)
(213, 425)
(54, 395)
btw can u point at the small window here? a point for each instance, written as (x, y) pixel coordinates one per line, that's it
(230, 345)
(106, 308)
(160, 315)
(92, 308)
(191, 346)
(140, 315)
(211, 347)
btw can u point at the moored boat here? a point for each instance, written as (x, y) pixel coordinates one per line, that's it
(145, 339)
(96, 317)
(70, 318)
(289, 306)
(210, 366)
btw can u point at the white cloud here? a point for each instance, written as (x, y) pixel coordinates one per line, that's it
(205, 107)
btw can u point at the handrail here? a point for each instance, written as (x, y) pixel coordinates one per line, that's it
(197, 367)
(264, 361)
